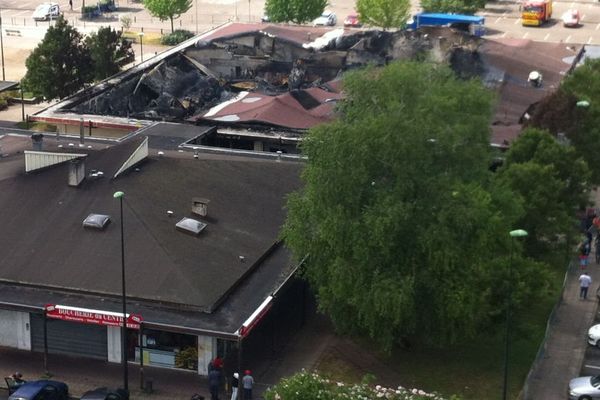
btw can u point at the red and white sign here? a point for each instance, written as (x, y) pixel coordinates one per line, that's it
(89, 316)
(256, 316)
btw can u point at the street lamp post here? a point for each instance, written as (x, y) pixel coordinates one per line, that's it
(141, 35)
(119, 195)
(513, 234)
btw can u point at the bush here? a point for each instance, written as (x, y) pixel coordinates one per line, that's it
(126, 22)
(311, 386)
(176, 37)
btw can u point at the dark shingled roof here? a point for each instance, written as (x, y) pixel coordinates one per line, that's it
(516, 58)
(45, 245)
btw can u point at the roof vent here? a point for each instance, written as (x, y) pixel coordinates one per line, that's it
(96, 221)
(76, 172)
(189, 225)
(200, 206)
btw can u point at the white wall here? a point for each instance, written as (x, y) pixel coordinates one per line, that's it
(207, 350)
(15, 329)
(113, 343)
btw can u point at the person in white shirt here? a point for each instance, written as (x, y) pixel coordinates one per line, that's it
(584, 283)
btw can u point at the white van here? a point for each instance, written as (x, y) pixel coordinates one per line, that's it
(46, 11)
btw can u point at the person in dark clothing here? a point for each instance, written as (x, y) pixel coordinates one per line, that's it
(234, 386)
(214, 382)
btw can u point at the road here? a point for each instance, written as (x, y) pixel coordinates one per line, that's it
(502, 20)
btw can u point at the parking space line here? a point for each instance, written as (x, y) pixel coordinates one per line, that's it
(567, 39)
(546, 37)
(582, 17)
(591, 366)
(519, 20)
(589, 40)
(525, 35)
(497, 20)
(503, 35)
(597, 26)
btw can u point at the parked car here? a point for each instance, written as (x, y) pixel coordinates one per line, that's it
(46, 11)
(571, 18)
(584, 388)
(352, 21)
(41, 390)
(105, 394)
(594, 335)
(326, 19)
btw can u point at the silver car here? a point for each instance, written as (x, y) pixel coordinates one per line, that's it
(584, 388)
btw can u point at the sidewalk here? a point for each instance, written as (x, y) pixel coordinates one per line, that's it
(565, 347)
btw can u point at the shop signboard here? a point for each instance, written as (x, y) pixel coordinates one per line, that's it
(89, 316)
(256, 316)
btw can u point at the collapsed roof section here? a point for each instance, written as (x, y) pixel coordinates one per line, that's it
(187, 81)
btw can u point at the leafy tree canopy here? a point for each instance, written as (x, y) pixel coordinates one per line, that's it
(296, 11)
(404, 232)
(60, 64)
(453, 6)
(108, 50)
(553, 181)
(384, 13)
(168, 9)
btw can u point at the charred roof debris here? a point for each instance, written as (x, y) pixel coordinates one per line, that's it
(259, 87)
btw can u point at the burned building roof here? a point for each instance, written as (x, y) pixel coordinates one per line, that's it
(45, 245)
(190, 79)
(298, 109)
(508, 63)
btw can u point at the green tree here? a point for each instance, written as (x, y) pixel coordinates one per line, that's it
(401, 234)
(296, 11)
(108, 51)
(60, 64)
(167, 9)
(384, 13)
(453, 6)
(574, 111)
(553, 181)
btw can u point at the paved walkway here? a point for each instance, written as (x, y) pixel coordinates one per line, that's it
(564, 350)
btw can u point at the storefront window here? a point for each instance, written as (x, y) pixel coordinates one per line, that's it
(168, 349)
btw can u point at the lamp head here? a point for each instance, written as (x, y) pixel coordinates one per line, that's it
(518, 233)
(118, 194)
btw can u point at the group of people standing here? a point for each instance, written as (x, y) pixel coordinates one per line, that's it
(215, 380)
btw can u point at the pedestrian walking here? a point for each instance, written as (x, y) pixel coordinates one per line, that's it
(71, 4)
(214, 382)
(234, 385)
(584, 283)
(247, 384)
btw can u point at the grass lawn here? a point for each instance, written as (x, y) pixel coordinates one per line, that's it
(150, 38)
(472, 370)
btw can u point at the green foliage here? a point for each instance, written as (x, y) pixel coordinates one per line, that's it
(176, 37)
(60, 64)
(296, 11)
(108, 50)
(126, 22)
(453, 6)
(552, 180)
(311, 386)
(384, 13)
(581, 124)
(186, 357)
(167, 9)
(405, 230)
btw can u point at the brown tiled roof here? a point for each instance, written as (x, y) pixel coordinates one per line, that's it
(283, 110)
(516, 58)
